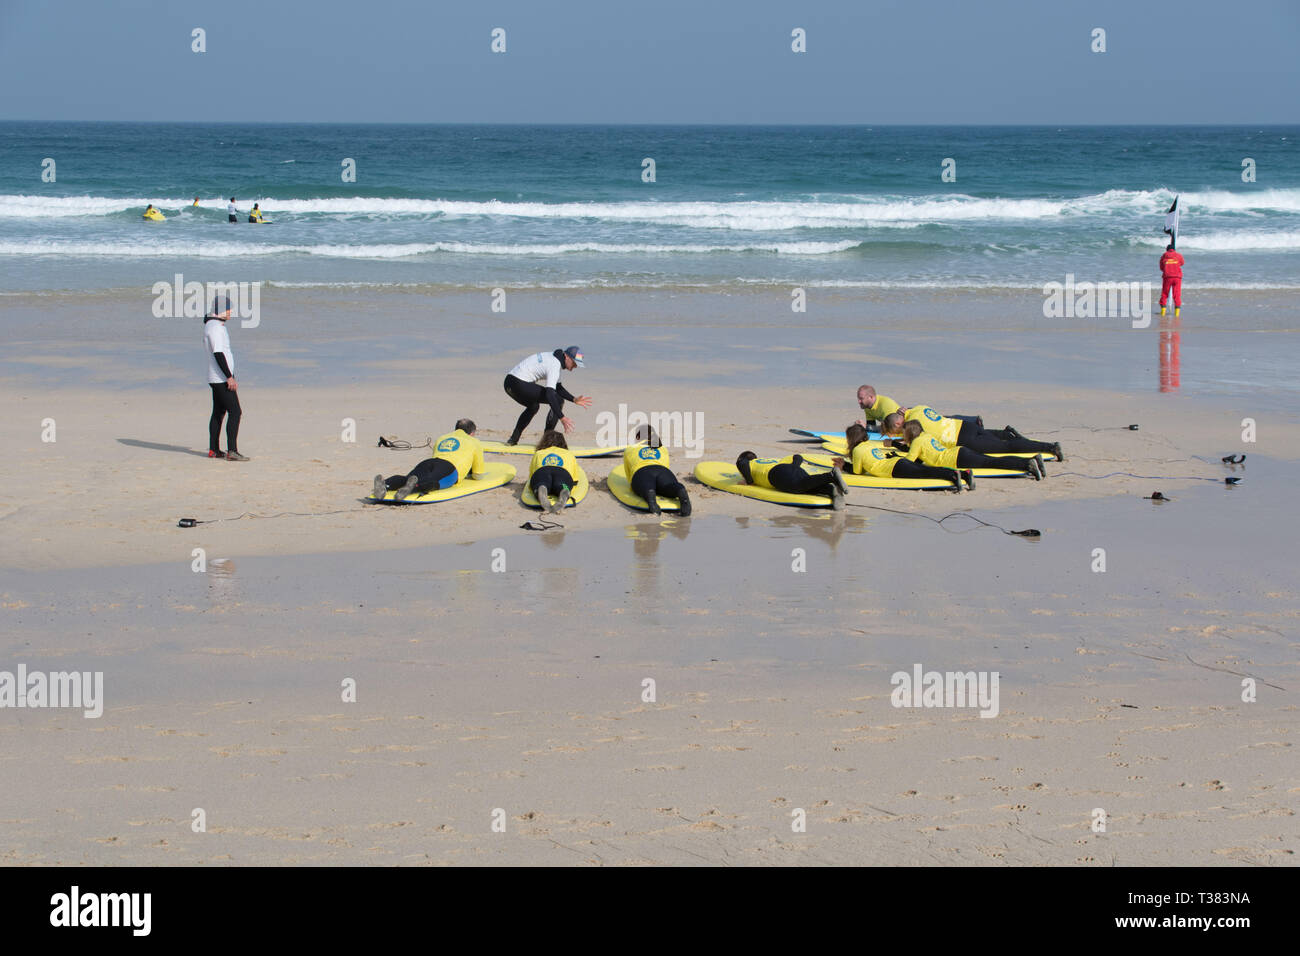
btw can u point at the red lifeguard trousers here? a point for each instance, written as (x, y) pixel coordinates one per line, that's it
(1176, 284)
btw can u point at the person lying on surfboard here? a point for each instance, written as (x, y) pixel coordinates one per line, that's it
(868, 458)
(787, 475)
(551, 471)
(456, 455)
(876, 406)
(647, 467)
(536, 380)
(930, 451)
(954, 431)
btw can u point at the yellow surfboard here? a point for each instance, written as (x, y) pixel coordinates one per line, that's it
(841, 447)
(723, 476)
(870, 481)
(576, 493)
(495, 474)
(501, 448)
(621, 488)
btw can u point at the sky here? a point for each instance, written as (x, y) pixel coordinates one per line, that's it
(664, 61)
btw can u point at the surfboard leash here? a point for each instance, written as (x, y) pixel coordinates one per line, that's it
(397, 444)
(1025, 533)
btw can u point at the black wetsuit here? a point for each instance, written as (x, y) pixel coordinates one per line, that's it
(793, 480)
(225, 404)
(550, 477)
(429, 474)
(657, 480)
(969, 458)
(989, 441)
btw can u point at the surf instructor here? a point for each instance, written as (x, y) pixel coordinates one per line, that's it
(536, 380)
(221, 380)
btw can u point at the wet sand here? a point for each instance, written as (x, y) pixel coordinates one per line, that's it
(522, 689)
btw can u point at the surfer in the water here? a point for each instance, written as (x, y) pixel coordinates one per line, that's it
(930, 451)
(455, 455)
(551, 471)
(866, 458)
(647, 466)
(1171, 268)
(954, 431)
(536, 380)
(787, 474)
(255, 214)
(232, 211)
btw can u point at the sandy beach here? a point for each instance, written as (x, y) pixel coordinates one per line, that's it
(520, 691)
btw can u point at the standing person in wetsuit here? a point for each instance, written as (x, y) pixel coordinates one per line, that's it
(221, 379)
(551, 471)
(458, 454)
(536, 380)
(930, 451)
(865, 458)
(787, 474)
(647, 464)
(1171, 268)
(953, 431)
(232, 211)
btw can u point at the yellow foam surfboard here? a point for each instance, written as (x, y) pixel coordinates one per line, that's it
(154, 216)
(495, 474)
(723, 476)
(841, 447)
(870, 481)
(621, 488)
(501, 448)
(576, 493)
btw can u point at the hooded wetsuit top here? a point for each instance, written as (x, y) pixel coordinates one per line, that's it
(638, 456)
(554, 458)
(874, 460)
(465, 452)
(934, 424)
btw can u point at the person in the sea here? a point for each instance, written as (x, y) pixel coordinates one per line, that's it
(787, 474)
(868, 458)
(536, 380)
(149, 211)
(1171, 269)
(456, 455)
(930, 451)
(255, 214)
(647, 466)
(954, 431)
(552, 471)
(232, 211)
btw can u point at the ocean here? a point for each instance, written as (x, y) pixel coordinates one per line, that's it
(478, 207)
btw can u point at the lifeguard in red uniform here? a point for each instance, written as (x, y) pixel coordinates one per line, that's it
(1171, 267)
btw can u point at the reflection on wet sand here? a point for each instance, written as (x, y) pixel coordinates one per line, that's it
(1170, 341)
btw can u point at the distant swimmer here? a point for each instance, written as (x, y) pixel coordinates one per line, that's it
(954, 431)
(153, 214)
(196, 200)
(866, 458)
(787, 474)
(1171, 267)
(647, 466)
(232, 211)
(536, 380)
(931, 451)
(255, 214)
(457, 455)
(551, 471)
(221, 379)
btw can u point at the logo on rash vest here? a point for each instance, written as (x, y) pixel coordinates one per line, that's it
(879, 454)
(934, 443)
(931, 414)
(649, 454)
(449, 444)
(552, 461)
(766, 461)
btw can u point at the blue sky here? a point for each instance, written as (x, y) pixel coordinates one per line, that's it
(612, 61)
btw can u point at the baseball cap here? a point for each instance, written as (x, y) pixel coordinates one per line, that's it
(575, 353)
